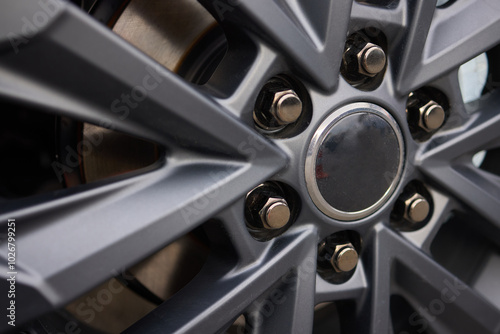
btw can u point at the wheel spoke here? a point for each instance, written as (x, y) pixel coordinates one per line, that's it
(116, 86)
(447, 301)
(71, 78)
(312, 34)
(434, 49)
(448, 159)
(479, 132)
(375, 315)
(147, 211)
(419, 15)
(228, 295)
(143, 211)
(296, 289)
(478, 189)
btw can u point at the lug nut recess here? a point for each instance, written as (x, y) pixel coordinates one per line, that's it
(277, 106)
(417, 209)
(371, 60)
(275, 213)
(344, 258)
(413, 208)
(426, 111)
(338, 256)
(270, 208)
(364, 60)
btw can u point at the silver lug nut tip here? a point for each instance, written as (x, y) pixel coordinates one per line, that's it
(288, 107)
(275, 214)
(345, 258)
(417, 209)
(373, 59)
(433, 116)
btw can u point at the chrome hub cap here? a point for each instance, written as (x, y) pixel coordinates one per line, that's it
(366, 136)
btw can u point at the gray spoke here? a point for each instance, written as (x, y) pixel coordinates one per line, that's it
(226, 295)
(447, 301)
(479, 132)
(84, 71)
(457, 34)
(291, 298)
(448, 159)
(478, 189)
(124, 222)
(312, 34)
(419, 14)
(375, 314)
(60, 71)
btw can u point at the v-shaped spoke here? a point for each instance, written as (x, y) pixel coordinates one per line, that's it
(312, 34)
(80, 69)
(440, 42)
(216, 310)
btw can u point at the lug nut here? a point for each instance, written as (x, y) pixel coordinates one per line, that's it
(364, 60)
(286, 107)
(417, 209)
(275, 213)
(270, 209)
(345, 258)
(277, 106)
(371, 59)
(338, 256)
(432, 116)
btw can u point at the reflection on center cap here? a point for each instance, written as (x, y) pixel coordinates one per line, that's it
(354, 161)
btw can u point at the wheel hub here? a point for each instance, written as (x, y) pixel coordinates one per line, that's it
(354, 161)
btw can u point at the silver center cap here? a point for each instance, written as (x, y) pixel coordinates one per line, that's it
(354, 161)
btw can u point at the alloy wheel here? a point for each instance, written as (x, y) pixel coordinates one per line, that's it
(393, 187)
